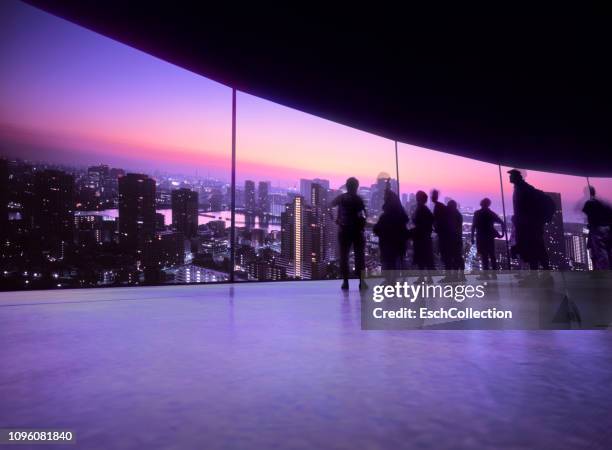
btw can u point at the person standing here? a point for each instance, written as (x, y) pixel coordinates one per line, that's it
(351, 220)
(483, 225)
(599, 223)
(421, 235)
(443, 228)
(532, 210)
(392, 232)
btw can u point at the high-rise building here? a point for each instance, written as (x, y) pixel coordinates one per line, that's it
(88, 229)
(277, 204)
(263, 199)
(306, 185)
(553, 235)
(167, 249)
(576, 248)
(3, 200)
(318, 230)
(296, 239)
(53, 214)
(96, 175)
(321, 182)
(160, 222)
(216, 200)
(185, 212)
(265, 270)
(101, 185)
(136, 211)
(250, 200)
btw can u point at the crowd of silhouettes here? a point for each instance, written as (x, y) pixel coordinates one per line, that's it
(533, 209)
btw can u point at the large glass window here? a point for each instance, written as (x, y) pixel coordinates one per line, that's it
(118, 163)
(462, 180)
(565, 233)
(116, 170)
(290, 167)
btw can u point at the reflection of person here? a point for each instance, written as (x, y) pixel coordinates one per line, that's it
(483, 225)
(392, 232)
(421, 234)
(351, 221)
(599, 220)
(530, 215)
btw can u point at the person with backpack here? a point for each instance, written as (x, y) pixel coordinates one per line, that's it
(599, 223)
(532, 210)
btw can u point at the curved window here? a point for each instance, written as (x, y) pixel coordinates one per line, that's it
(116, 170)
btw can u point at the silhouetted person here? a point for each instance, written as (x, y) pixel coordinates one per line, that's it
(351, 221)
(442, 227)
(532, 210)
(599, 220)
(421, 234)
(483, 225)
(455, 226)
(392, 232)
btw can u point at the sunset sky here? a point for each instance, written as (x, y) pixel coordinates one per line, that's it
(73, 96)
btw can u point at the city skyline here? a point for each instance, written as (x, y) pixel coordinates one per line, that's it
(120, 171)
(105, 226)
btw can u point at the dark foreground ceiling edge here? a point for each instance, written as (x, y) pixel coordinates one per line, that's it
(522, 89)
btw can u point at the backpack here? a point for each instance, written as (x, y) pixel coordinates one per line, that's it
(546, 207)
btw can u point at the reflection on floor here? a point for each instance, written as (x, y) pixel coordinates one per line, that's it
(286, 365)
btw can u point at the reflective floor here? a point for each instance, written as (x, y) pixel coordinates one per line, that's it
(286, 365)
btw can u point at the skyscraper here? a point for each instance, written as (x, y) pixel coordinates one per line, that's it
(53, 214)
(576, 249)
(185, 212)
(318, 230)
(96, 176)
(136, 211)
(3, 202)
(306, 185)
(553, 235)
(263, 200)
(250, 201)
(296, 239)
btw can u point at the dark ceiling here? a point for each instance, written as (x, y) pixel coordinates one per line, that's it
(522, 88)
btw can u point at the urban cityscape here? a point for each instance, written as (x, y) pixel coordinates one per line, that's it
(104, 226)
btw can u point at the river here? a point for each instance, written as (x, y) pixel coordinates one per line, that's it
(203, 218)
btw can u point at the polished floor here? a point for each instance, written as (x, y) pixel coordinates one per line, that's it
(286, 365)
